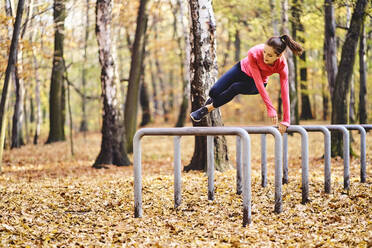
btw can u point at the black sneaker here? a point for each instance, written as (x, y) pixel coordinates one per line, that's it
(209, 101)
(199, 114)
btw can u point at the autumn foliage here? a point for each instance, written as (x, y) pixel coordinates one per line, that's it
(49, 198)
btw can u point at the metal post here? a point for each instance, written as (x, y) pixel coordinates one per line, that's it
(327, 153)
(346, 152)
(363, 166)
(285, 158)
(304, 161)
(201, 131)
(278, 161)
(247, 183)
(177, 171)
(210, 167)
(137, 174)
(263, 161)
(238, 165)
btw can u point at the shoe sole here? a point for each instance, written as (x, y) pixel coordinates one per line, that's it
(194, 119)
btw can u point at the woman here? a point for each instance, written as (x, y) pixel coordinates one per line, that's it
(249, 76)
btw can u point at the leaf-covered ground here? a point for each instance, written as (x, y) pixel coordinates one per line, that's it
(48, 198)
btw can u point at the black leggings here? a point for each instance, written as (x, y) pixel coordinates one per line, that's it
(232, 83)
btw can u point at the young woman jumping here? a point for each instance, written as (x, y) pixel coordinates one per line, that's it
(249, 76)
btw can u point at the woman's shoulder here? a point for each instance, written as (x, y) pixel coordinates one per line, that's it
(256, 48)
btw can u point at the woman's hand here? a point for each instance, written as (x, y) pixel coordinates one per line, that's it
(274, 120)
(282, 128)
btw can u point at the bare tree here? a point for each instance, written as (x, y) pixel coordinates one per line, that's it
(113, 140)
(345, 71)
(131, 104)
(9, 69)
(363, 118)
(203, 73)
(56, 98)
(185, 66)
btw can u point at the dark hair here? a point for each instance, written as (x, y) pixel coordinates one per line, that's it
(280, 43)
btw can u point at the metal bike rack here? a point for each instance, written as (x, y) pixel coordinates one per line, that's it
(327, 153)
(367, 127)
(194, 131)
(304, 160)
(346, 151)
(278, 162)
(362, 132)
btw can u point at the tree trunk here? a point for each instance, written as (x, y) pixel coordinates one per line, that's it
(203, 70)
(352, 114)
(330, 44)
(325, 92)
(17, 136)
(56, 118)
(144, 93)
(363, 118)
(84, 120)
(155, 94)
(145, 102)
(291, 67)
(299, 27)
(184, 67)
(9, 69)
(345, 71)
(112, 146)
(133, 92)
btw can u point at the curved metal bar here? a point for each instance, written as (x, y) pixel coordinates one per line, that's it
(304, 160)
(285, 158)
(194, 131)
(327, 153)
(210, 167)
(362, 131)
(177, 171)
(367, 127)
(346, 152)
(278, 162)
(263, 161)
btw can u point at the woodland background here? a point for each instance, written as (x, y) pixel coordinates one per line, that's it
(51, 196)
(239, 26)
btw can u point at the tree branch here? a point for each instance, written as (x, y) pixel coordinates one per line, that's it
(341, 27)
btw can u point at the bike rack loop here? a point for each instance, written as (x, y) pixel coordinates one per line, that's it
(362, 132)
(346, 151)
(194, 131)
(327, 153)
(278, 163)
(304, 159)
(367, 127)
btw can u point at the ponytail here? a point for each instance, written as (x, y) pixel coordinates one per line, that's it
(295, 47)
(280, 43)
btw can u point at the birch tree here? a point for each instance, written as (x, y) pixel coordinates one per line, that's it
(113, 141)
(203, 73)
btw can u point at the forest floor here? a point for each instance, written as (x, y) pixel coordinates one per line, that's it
(49, 198)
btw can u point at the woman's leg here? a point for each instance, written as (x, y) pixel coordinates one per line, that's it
(233, 82)
(245, 87)
(225, 81)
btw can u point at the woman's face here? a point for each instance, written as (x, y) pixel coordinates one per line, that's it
(269, 55)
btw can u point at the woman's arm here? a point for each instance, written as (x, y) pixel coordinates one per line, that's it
(285, 95)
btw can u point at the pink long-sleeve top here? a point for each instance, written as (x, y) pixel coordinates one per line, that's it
(255, 67)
